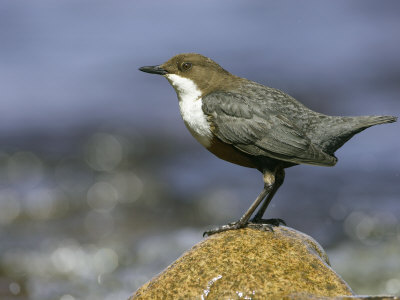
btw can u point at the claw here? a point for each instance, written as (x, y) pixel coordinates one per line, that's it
(262, 224)
(274, 222)
(230, 226)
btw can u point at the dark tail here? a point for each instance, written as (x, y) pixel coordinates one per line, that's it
(369, 121)
(344, 128)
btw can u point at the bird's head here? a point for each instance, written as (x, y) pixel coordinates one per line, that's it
(191, 70)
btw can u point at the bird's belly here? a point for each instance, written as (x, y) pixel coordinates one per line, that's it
(198, 125)
(222, 150)
(229, 153)
(202, 138)
(195, 119)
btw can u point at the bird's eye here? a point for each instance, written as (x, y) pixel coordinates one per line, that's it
(186, 66)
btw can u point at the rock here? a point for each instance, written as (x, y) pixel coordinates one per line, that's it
(250, 263)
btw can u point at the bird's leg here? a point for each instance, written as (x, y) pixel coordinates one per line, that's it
(279, 178)
(269, 180)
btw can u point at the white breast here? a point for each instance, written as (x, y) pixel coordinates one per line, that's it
(190, 104)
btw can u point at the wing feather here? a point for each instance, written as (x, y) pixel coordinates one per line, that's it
(251, 128)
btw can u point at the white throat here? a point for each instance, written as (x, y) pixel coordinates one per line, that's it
(190, 104)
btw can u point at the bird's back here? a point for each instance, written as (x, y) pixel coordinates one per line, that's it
(328, 133)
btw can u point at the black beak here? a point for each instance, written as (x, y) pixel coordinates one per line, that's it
(153, 70)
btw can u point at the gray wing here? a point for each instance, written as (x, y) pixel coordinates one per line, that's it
(250, 127)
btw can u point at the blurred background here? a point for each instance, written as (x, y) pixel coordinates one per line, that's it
(102, 186)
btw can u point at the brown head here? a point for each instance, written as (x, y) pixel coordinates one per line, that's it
(206, 74)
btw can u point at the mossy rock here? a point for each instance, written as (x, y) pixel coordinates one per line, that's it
(250, 263)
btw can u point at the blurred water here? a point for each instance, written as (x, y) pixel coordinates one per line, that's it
(101, 186)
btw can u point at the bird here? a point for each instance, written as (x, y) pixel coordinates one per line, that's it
(255, 126)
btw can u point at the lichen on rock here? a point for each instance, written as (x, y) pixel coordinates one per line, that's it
(249, 263)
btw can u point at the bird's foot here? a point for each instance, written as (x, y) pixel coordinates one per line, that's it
(273, 222)
(230, 226)
(262, 224)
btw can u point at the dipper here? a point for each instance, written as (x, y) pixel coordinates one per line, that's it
(254, 126)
